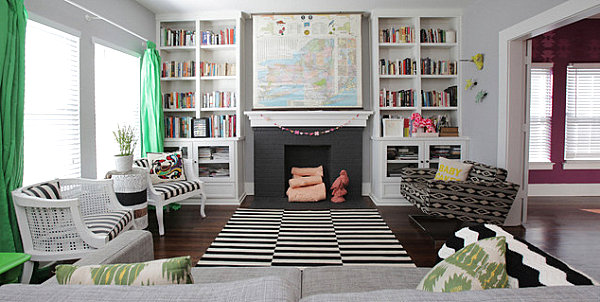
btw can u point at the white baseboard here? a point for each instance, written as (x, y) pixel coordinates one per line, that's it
(214, 201)
(563, 190)
(366, 188)
(389, 202)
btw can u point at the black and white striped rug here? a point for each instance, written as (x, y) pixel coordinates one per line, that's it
(269, 237)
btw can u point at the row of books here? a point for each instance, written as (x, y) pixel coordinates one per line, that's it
(399, 98)
(179, 100)
(217, 69)
(174, 69)
(178, 127)
(437, 36)
(222, 126)
(398, 67)
(404, 34)
(446, 98)
(438, 67)
(213, 153)
(219, 99)
(402, 153)
(222, 37)
(447, 151)
(177, 37)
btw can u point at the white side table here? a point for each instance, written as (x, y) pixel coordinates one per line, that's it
(130, 188)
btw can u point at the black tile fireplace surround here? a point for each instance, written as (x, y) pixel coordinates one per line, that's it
(339, 150)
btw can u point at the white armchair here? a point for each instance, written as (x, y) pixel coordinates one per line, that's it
(162, 194)
(78, 216)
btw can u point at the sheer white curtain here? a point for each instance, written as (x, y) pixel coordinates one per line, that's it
(117, 84)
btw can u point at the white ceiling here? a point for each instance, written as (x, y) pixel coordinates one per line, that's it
(265, 6)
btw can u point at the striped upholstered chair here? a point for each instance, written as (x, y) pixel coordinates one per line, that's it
(162, 194)
(65, 219)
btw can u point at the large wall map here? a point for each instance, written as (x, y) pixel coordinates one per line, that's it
(307, 61)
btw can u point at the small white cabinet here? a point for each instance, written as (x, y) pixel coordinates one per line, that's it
(392, 155)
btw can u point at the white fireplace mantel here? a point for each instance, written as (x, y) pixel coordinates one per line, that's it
(356, 118)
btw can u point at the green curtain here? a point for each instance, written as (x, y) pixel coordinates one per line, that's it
(151, 114)
(13, 20)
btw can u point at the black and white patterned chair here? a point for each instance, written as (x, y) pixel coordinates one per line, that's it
(162, 194)
(485, 197)
(65, 219)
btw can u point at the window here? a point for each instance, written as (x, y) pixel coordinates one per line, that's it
(582, 122)
(51, 121)
(540, 113)
(117, 84)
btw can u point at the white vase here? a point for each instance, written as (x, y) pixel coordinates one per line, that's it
(123, 163)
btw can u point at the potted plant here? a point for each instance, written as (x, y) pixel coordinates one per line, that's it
(126, 139)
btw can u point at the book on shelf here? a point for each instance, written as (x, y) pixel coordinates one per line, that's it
(178, 127)
(213, 170)
(431, 35)
(174, 69)
(403, 34)
(438, 67)
(222, 126)
(406, 66)
(446, 98)
(208, 69)
(177, 37)
(449, 132)
(221, 37)
(399, 98)
(219, 99)
(447, 151)
(213, 153)
(179, 100)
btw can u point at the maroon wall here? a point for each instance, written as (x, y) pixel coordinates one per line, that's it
(575, 43)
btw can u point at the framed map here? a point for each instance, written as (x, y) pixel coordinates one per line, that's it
(307, 61)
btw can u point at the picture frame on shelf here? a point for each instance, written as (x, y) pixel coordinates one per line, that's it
(200, 127)
(393, 127)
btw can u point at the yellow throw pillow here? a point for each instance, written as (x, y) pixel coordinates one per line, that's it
(452, 170)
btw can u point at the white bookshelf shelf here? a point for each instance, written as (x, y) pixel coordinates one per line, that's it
(439, 45)
(214, 78)
(177, 48)
(180, 110)
(218, 109)
(397, 108)
(219, 47)
(438, 76)
(433, 108)
(398, 76)
(178, 79)
(400, 45)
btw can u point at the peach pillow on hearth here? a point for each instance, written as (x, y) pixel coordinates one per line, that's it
(305, 181)
(308, 194)
(318, 171)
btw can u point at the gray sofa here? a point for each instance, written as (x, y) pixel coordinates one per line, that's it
(361, 283)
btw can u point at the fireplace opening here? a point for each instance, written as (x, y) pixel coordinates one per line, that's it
(304, 156)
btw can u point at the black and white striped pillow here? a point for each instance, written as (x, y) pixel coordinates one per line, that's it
(48, 190)
(526, 265)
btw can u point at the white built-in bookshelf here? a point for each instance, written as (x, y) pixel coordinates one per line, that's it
(200, 80)
(415, 69)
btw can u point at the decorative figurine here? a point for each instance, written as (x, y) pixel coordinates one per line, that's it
(339, 187)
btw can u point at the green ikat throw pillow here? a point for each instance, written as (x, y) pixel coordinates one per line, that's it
(481, 265)
(157, 272)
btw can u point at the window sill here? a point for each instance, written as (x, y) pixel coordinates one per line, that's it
(581, 165)
(541, 166)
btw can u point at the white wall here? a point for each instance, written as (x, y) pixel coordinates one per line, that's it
(127, 13)
(482, 21)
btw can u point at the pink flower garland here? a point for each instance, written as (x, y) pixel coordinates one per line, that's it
(419, 122)
(314, 133)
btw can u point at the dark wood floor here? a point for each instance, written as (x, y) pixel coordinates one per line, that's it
(556, 225)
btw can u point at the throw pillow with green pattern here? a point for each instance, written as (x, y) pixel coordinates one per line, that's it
(481, 265)
(157, 272)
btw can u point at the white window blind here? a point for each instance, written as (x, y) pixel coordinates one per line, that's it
(51, 121)
(117, 84)
(582, 122)
(540, 113)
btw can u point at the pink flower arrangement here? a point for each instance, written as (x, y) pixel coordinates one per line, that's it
(420, 122)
